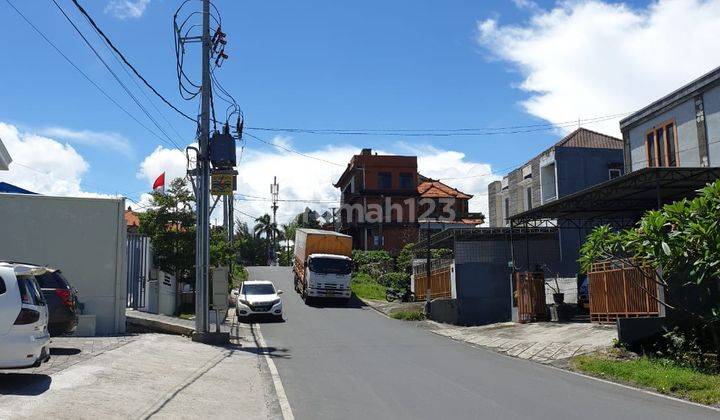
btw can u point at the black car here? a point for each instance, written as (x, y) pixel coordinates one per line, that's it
(61, 299)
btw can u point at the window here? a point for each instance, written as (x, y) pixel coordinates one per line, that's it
(52, 280)
(384, 180)
(661, 146)
(3, 288)
(29, 291)
(330, 265)
(258, 289)
(528, 198)
(406, 180)
(507, 210)
(614, 173)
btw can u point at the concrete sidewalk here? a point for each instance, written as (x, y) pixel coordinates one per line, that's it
(543, 342)
(168, 324)
(153, 375)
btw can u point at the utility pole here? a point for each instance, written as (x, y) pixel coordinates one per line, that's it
(202, 250)
(274, 192)
(332, 209)
(428, 261)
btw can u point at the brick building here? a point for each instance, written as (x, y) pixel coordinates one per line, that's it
(381, 201)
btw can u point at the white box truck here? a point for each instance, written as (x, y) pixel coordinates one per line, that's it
(322, 265)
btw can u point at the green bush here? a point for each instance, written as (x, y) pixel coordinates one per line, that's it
(374, 263)
(395, 279)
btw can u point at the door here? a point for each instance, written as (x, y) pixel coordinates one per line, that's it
(9, 299)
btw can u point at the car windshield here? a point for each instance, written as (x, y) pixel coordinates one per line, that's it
(52, 280)
(330, 266)
(258, 289)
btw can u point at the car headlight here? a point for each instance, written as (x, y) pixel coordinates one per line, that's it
(244, 302)
(275, 302)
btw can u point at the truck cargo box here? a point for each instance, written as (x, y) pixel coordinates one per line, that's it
(315, 241)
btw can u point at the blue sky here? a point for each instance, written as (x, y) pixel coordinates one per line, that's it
(330, 64)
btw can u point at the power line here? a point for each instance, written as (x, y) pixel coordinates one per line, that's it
(287, 149)
(92, 82)
(115, 76)
(125, 60)
(451, 132)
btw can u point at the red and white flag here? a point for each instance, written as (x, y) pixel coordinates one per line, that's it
(159, 184)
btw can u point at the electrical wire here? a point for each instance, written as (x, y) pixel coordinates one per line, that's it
(453, 132)
(287, 149)
(79, 70)
(125, 60)
(115, 76)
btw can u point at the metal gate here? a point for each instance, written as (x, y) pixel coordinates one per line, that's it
(138, 270)
(530, 288)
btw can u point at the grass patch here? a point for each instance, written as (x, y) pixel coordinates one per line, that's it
(662, 375)
(408, 315)
(365, 287)
(186, 316)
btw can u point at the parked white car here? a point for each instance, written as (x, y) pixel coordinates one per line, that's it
(259, 297)
(24, 337)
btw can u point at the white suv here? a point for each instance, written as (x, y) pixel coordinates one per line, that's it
(258, 297)
(24, 337)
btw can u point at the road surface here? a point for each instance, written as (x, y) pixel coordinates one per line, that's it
(353, 363)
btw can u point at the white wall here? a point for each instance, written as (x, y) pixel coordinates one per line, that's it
(84, 237)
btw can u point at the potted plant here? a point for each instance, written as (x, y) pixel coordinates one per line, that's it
(558, 296)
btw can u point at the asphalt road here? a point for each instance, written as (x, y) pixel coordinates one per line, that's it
(353, 363)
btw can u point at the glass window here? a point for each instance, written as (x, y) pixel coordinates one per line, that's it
(29, 291)
(3, 288)
(258, 289)
(406, 180)
(660, 145)
(650, 144)
(52, 280)
(330, 266)
(528, 198)
(670, 138)
(384, 180)
(615, 173)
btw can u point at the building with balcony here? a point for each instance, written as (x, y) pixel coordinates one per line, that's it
(579, 160)
(383, 198)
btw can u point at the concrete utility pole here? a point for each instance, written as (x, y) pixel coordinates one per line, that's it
(202, 250)
(428, 261)
(274, 192)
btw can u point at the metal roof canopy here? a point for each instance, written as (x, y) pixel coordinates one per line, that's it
(448, 237)
(619, 202)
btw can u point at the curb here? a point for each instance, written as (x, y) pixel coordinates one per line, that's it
(158, 326)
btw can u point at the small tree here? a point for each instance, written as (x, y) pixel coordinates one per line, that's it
(170, 224)
(681, 242)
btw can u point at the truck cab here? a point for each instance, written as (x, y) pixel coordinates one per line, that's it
(328, 275)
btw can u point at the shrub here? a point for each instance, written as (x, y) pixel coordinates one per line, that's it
(395, 279)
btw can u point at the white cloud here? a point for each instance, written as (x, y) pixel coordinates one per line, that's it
(170, 161)
(43, 165)
(109, 140)
(123, 9)
(584, 59)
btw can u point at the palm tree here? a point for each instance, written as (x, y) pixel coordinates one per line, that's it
(266, 227)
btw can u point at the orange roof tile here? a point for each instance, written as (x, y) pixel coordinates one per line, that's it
(436, 189)
(131, 218)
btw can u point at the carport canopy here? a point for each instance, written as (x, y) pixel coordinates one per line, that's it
(619, 202)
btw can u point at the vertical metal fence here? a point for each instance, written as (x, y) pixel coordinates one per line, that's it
(138, 270)
(440, 279)
(621, 289)
(530, 289)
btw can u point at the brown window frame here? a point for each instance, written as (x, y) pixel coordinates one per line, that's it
(654, 161)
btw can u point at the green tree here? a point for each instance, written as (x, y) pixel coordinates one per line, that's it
(170, 224)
